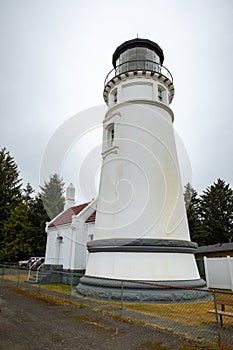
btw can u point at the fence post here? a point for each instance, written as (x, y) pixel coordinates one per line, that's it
(38, 281)
(3, 271)
(230, 271)
(206, 272)
(71, 286)
(50, 274)
(18, 276)
(216, 316)
(122, 289)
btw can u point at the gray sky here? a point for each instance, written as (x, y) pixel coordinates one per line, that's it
(55, 55)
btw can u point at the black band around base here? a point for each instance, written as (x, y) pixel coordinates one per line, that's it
(141, 245)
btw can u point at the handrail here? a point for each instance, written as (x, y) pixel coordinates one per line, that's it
(29, 272)
(37, 272)
(54, 260)
(159, 69)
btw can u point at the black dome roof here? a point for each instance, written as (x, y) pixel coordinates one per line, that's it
(137, 43)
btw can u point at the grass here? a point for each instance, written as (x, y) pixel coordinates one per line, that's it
(52, 300)
(59, 288)
(22, 276)
(17, 276)
(190, 314)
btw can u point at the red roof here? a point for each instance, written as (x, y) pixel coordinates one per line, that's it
(66, 216)
(92, 217)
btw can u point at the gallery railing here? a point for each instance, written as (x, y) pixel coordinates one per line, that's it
(138, 65)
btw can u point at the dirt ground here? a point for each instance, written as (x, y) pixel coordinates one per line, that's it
(30, 322)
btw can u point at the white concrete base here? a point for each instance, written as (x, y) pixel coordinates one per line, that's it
(147, 266)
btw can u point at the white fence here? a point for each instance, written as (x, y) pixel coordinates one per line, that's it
(219, 272)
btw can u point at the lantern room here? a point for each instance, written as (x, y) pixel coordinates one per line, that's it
(138, 54)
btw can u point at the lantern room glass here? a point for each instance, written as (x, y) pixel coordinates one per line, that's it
(138, 58)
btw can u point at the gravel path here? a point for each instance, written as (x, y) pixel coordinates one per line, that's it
(29, 323)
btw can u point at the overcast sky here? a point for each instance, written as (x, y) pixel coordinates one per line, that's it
(55, 55)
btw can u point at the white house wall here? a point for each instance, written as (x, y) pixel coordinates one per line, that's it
(55, 255)
(82, 232)
(90, 229)
(66, 244)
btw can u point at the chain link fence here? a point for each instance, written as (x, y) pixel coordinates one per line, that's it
(209, 321)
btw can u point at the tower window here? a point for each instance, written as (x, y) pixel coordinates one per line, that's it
(115, 96)
(111, 135)
(160, 94)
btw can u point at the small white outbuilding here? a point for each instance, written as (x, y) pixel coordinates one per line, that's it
(68, 233)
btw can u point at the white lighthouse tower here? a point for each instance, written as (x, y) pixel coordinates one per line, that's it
(141, 232)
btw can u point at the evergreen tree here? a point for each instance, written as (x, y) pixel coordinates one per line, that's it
(192, 204)
(38, 218)
(24, 231)
(17, 235)
(188, 193)
(217, 212)
(10, 187)
(52, 195)
(27, 194)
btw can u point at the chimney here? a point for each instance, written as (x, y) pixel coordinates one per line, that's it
(70, 196)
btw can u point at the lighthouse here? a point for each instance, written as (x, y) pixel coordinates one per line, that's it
(141, 230)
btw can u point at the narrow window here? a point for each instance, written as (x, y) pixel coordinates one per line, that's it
(111, 135)
(115, 96)
(160, 94)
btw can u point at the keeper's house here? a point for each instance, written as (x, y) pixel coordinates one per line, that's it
(67, 235)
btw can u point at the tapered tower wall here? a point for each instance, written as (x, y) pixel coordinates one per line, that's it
(141, 228)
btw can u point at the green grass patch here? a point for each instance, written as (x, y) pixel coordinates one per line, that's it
(20, 277)
(190, 314)
(58, 287)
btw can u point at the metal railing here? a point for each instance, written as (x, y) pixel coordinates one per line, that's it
(138, 65)
(34, 268)
(37, 272)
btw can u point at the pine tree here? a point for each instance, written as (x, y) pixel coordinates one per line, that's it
(17, 235)
(10, 187)
(217, 212)
(192, 204)
(38, 218)
(27, 194)
(24, 231)
(188, 194)
(52, 195)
